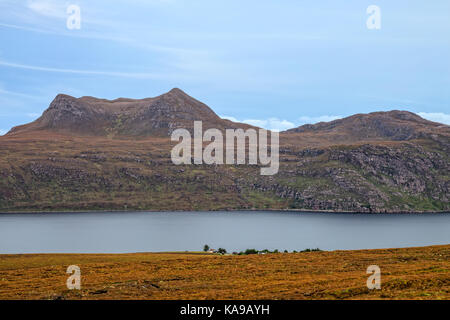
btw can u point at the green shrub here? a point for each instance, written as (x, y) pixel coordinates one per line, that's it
(251, 251)
(311, 250)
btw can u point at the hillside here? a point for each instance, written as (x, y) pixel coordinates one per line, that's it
(94, 154)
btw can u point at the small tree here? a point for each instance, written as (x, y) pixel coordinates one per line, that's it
(221, 251)
(205, 248)
(251, 251)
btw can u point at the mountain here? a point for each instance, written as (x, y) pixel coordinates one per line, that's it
(125, 117)
(377, 126)
(95, 154)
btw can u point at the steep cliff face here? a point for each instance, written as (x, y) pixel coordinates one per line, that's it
(401, 177)
(68, 160)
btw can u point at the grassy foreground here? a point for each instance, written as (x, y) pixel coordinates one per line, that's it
(410, 273)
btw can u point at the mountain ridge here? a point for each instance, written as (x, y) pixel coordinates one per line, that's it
(160, 115)
(126, 117)
(394, 125)
(374, 163)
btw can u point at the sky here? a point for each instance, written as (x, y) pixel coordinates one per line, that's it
(276, 64)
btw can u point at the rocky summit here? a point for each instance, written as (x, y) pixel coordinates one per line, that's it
(125, 117)
(96, 154)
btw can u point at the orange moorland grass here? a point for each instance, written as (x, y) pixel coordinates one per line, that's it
(407, 273)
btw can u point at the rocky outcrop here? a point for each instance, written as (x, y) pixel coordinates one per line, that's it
(365, 178)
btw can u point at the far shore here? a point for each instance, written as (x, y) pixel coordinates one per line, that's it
(222, 210)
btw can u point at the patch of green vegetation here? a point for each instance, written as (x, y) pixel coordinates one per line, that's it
(263, 200)
(266, 251)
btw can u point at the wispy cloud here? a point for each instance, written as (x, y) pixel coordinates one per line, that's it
(436, 117)
(276, 124)
(128, 40)
(33, 115)
(48, 8)
(19, 94)
(25, 28)
(134, 75)
(312, 120)
(52, 14)
(273, 124)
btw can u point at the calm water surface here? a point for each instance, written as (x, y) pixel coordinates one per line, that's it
(235, 231)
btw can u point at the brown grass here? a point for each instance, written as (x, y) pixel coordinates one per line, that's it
(410, 273)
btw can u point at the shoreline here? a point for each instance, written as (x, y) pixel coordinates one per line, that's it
(202, 253)
(222, 210)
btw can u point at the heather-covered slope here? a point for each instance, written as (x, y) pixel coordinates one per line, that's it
(407, 273)
(357, 164)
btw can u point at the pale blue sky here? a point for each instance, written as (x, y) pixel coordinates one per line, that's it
(279, 63)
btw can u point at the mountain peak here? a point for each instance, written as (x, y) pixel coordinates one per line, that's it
(395, 125)
(177, 91)
(125, 117)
